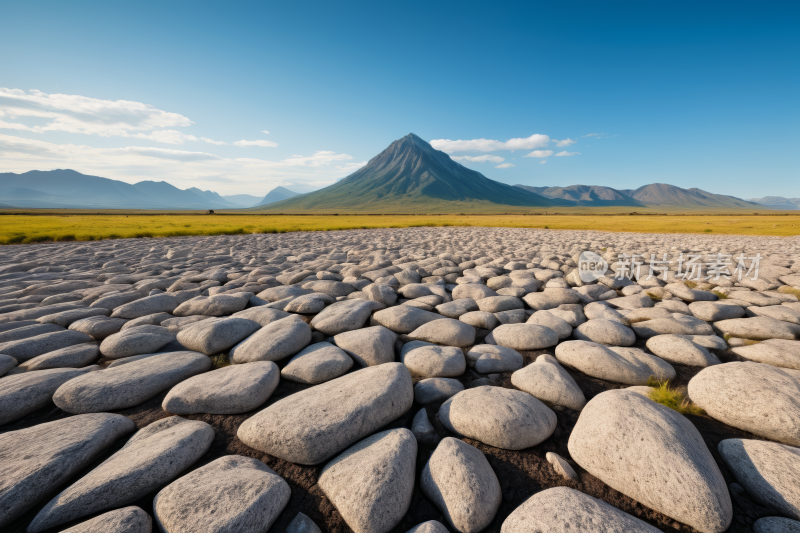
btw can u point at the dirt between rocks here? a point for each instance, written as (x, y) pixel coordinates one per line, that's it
(521, 473)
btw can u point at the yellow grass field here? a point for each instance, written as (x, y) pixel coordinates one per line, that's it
(27, 228)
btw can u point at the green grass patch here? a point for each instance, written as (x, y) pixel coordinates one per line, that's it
(661, 392)
(690, 284)
(720, 295)
(220, 360)
(708, 231)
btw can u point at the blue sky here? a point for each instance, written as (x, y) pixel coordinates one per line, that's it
(697, 94)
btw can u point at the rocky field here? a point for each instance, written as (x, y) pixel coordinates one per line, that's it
(396, 380)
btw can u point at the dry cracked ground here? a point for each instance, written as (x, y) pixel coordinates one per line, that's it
(422, 379)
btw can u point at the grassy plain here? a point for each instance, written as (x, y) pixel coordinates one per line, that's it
(66, 226)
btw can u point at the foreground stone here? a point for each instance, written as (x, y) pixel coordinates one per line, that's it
(311, 426)
(371, 483)
(232, 493)
(126, 520)
(76, 356)
(302, 524)
(6, 363)
(154, 456)
(503, 418)
(681, 351)
(128, 385)
(435, 390)
(445, 331)
(565, 509)
(24, 349)
(275, 341)
(368, 346)
(22, 394)
(546, 380)
(775, 524)
(36, 460)
(653, 455)
(524, 336)
(488, 359)
(225, 391)
(427, 360)
(758, 328)
(344, 316)
(135, 341)
(775, 352)
(460, 482)
(216, 335)
(761, 399)
(622, 365)
(317, 363)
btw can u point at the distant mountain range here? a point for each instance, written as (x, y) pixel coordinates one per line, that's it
(68, 189)
(595, 195)
(778, 202)
(276, 195)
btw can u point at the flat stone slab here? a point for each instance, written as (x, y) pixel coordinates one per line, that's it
(275, 341)
(775, 352)
(232, 493)
(154, 456)
(216, 335)
(98, 327)
(313, 425)
(547, 381)
(619, 364)
(346, 315)
(22, 394)
(76, 356)
(35, 460)
(24, 349)
(653, 455)
(681, 351)
(228, 390)
(368, 346)
(135, 341)
(128, 385)
(316, 364)
(126, 520)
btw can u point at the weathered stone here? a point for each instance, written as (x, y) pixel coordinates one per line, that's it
(497, 304)
(430, 361)
(135, 341)
(312, 425)
(154, 456)
(216, 334)
(98, 327)
(27, 332)
(25, 349)
(472, 291)
(489, 359)
(775, 524)
(76, 356)
(456, 308)
(596, 311)
(126, 520)
(159, 303)
(6, 363)
(65, 318)
(546, 380)
(431, 526)
(302, 524)
(622, 365)
(680, 351)
(758, 328)
(679, 324)
(761, 399)
(403, 318)
(433, 390)
(480, 319)
(225, 391)
(261, 315)
(148, 320)
(654, 455)
(714, 311)
(551, 321)
(561, 466)
(524, 336)
(232, 493)
(275, 341)
(317, 363)
(128, 385)
(371, 483)
(216, 305)
(606, 332)
(423, 430)
(35, 460)
(775, 352)
(459, 481)
(445, 331)
(346, 315)
(368, 346)
(310, 304)
(24, 393)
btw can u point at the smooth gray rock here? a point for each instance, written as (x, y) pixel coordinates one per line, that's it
(758, 398)
(309, 304)
(274, 294)
(561, 466)
(275, 341)
(480, 319)
(312, 425)
(460, 482)
(680, 351)
(473, 291)
(778, 312)
(622, 365)
(606, 332)
(346, 315)
(497, 304)
(425, 360)
(679, 324)
(148, 320)
(6, 363)
(423, 430)
(26, 332)
(596, 311)
(489, 359)
(216, 305)
(565, 509)
(128, 385)
(714, 311)
(316, 364)
(654, 455)
(647, 313)
(768, 471)
(158, 303)
(302, 524)
(371, 483)
(368, 346)
(135, 341)
(456, 308)
(154, 456)
(24, 393)
(546, 380)
(431, 526)
(503, 418)
(758, 328)
(261, 315)
(709, 342)
(330, 287)
(403, 318)
(228, 390)
(775, 352)
(776, 524)
(65, 318)
(35, 460)
(216, 334)
(445, 331)
(524, 336)
(76, 356)
(126, 520)
(633, 301)
(514, 316)
(551, 321)
(98, 327)
(24, 349)
(551, 298)
(433, 390)
(232, 493)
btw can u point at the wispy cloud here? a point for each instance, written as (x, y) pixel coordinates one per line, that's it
(543, 161)
(349, 168)
(488, 145)
(265, 131)
(505, 165)
(480, 158)
(218, 143)
(539, 153)
(567, 154)
(564, 142)
(266, 144)
(319, 158)
(599, 135)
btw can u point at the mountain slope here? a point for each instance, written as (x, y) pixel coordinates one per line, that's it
(778, 202)
(411, 176)
(214, 197)
(242, 200)
(662, 194)
(171, 195)
(588, 195)
(276, 195)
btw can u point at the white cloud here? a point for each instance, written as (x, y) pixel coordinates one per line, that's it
(505, 165)
(218, 143)
(81, 114)
(488, 145)
(564, 142)
(165, 136)
(543, 161)
(318, 159)
(539, 153)
(567, 154)
(266, 144)
(349, 168)
(265, 131)
(480, 158)
(599, 135)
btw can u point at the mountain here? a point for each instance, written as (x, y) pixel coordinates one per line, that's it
(214, 197)
(410, 176)
(662, 194)
(68, 189)
(276, 195)
(589, 195)
(242, 200)
(778, 202)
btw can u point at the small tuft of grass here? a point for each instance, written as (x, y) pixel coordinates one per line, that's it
(220, 360)
(653, 297)
(667, 396)
(708, 230)
(691, 284)
(720, 295)
(786, 289)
